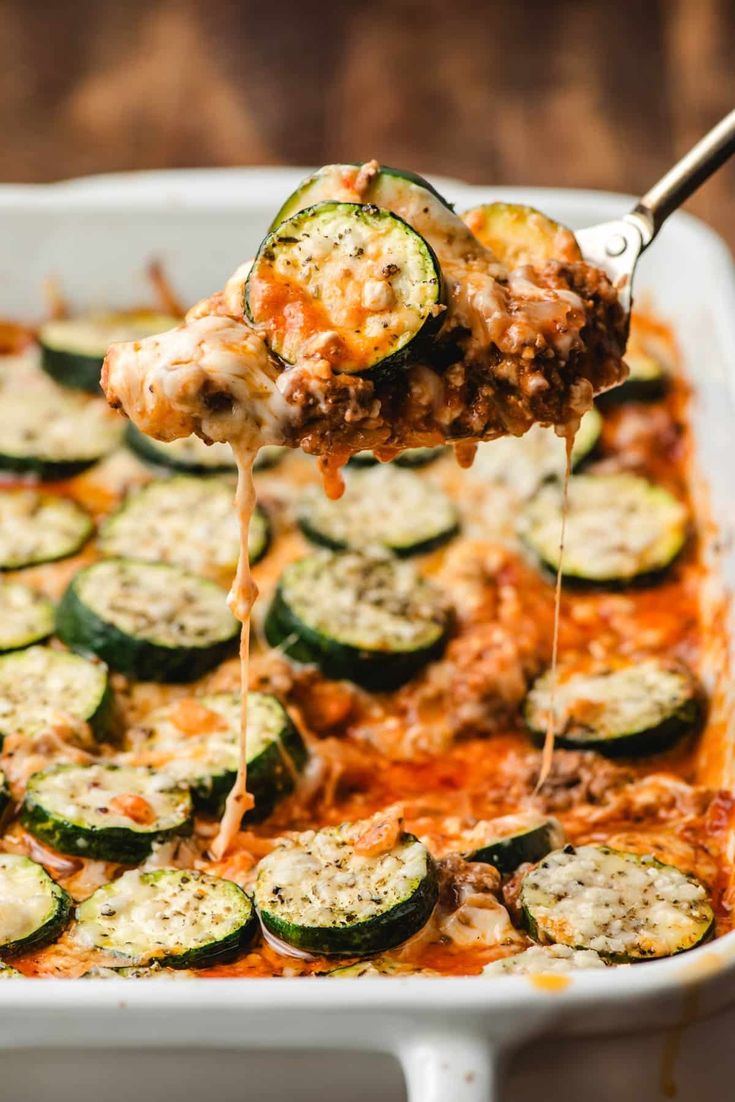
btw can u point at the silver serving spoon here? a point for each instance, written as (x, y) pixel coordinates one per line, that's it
(616, 246)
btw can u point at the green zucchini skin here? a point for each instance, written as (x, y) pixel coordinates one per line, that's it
(679, 718)
(96, 928)
(35, 612)
(613, 492)
(157, 454)
(72, 369)
(5, 797)
(33, 668)
(609, 941)
(317, 220)
(59, 906)
(270, 771)
(375, 670)
(509, 852)
(315, 189)
(385, 506)
(83, 630)
(76, 366)
(411, 457)
(649, 381)
(41, 511)
(358, 939)
(123, 845)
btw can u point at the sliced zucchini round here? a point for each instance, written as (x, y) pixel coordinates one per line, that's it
(41, 688)
(26, 616)
(36, 528)
(523, 463)
(648, 380)
(367, 618)
(512, 840)
(34, 909)
(8, 973)
(190, 455)
(176, 917)
(72, 349)
(624, 906)
(105, 812)
(184, 520)
(624, 709)
(411, 457)
(150, 620)
(55, 434)
(349, 284)
(319, 893)
(545, 959)
(620, 528)
(519, 235)
(381, 507)
(196, 741)
(388, 187)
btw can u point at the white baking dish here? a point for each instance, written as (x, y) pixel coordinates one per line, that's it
(628, 1033)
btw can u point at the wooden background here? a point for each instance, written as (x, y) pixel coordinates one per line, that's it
(593, 94)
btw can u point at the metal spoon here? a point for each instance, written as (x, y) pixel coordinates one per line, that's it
(616, 246)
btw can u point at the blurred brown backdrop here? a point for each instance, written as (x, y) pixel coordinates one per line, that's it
(593, 94)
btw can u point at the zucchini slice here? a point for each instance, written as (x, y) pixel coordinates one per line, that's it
(523, 463)
(190, 455)
(319, 893)
(345, 283)
(624, 906)
(620, 529)
(34, 909)
(25, 616)
(519, 235)
(105, 812)
(619, 710)
(41, 688)
(381, 507)
(176, 917)
(184, 520)
(545, 959)
(512, 840)
(388, 187)
(72, 349)
(196, 741)
(648, 380)
(150, 620)
(411, 457)
(8, 973)
(36, 528)
(367, 618)
(55, 434)
(5, 797)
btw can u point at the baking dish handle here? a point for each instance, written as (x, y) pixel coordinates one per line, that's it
(451, 1067)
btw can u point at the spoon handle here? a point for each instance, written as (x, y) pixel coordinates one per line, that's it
(685, 177)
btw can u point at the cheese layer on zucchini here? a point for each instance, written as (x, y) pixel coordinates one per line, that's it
(366, 618)
(381, 507)
(25, 616)
(43, 689)
(349, 284)
(109, 812)
(184, 520)
(156, 602)
(36, 528)
(177, 917)
(56, 433)
(196, 740)
(519, 235)
(92, 334)
(544, 959)
(325, 892)
(623, 906)
(640, 707)
(33, 908)
(619, 527)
